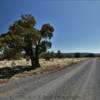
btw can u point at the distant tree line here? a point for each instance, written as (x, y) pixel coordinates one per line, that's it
(45, 55)
(59, 54)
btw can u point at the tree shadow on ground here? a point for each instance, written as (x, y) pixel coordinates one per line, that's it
(8, 72)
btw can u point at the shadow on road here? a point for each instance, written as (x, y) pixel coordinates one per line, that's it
(8, 72)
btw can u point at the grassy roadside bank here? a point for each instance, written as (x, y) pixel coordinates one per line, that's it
(19, 70)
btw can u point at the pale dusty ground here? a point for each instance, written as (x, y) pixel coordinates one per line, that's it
(46, 66)
(79, 82)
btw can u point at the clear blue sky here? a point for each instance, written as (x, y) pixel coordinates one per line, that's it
(77, 23)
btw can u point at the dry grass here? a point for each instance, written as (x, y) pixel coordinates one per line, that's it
(48, 66)
(44, 64)
(13, 63)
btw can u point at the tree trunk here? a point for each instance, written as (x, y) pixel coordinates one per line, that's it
(34, 56)
(35, 59)
(37, 56)
(35, 63)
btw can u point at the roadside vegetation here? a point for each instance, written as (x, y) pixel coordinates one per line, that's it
(23, 36)
(24, 43)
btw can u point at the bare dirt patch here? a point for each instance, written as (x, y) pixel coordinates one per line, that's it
(2, 81)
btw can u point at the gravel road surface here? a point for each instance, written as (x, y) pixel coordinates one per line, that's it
(77, 82)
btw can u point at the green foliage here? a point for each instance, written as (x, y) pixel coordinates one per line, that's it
(11, 53)
(48, 55)
(23, 35)
(90, 55)
(59, 54)
(77, 55)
